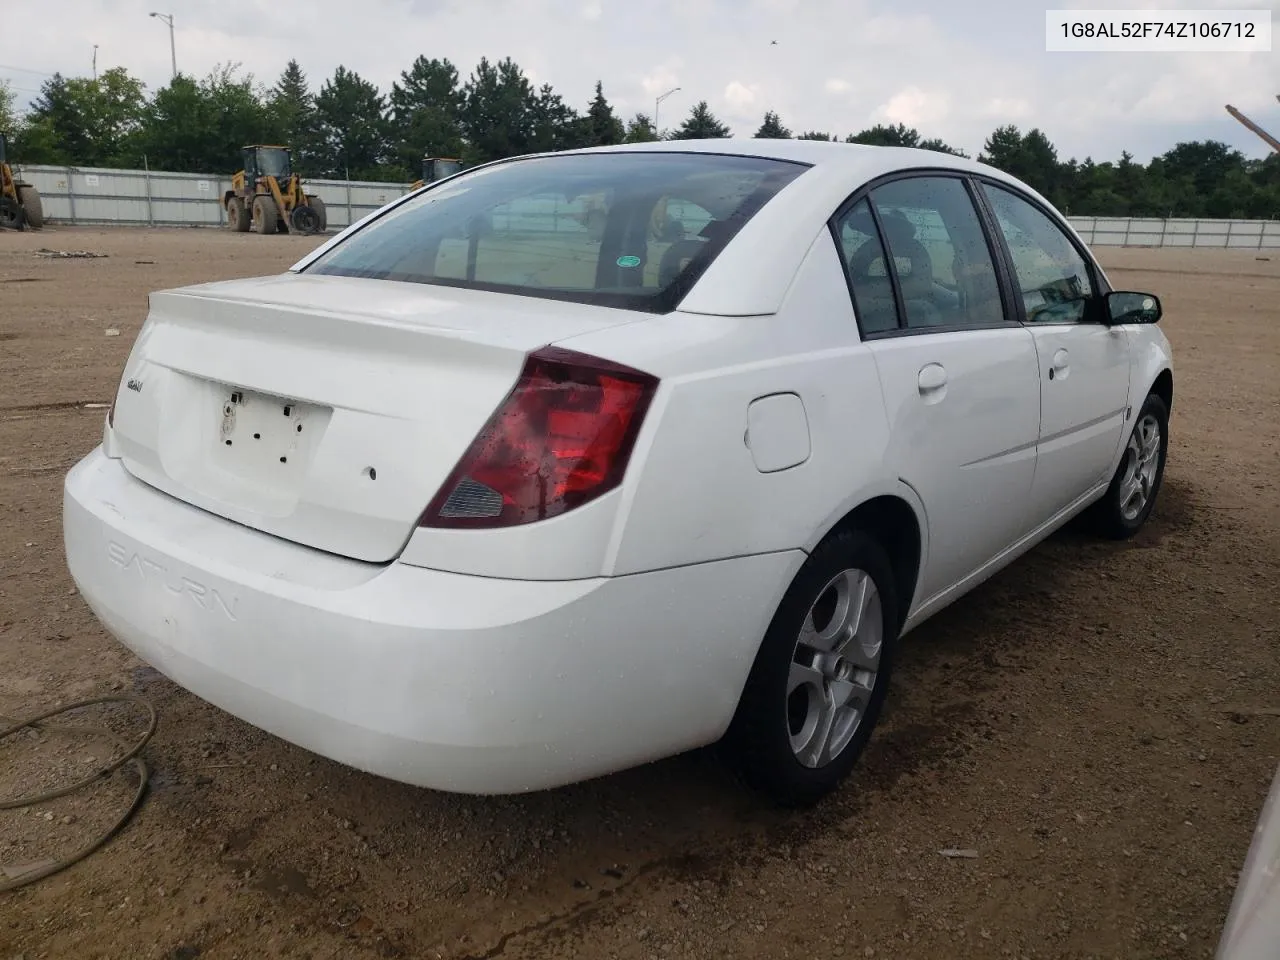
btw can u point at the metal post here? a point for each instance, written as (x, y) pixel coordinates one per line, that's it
(150, 219)
(1228, 243)
(347, 171)
(173, 53)
(1195, 233)
(1128, 223)
(71, 192)
(1164, 226)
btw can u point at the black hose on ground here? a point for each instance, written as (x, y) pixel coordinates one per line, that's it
(130, 756)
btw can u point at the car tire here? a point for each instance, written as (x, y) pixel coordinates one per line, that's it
(812, 699)
(1129, 499)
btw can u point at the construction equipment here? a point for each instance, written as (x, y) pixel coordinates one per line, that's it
(437, 168)
(1271, 141)
(20, 206)
(267, 196)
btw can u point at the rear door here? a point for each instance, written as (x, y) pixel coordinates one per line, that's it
(1084, 364)
(959, 376)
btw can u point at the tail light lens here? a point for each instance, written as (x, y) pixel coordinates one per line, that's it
(562, 438)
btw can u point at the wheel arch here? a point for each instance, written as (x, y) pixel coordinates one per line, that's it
(1162, 386)
(896, 520)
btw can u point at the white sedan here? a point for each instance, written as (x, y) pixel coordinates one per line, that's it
(482, 498)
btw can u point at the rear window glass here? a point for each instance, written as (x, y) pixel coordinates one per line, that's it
(631, 230)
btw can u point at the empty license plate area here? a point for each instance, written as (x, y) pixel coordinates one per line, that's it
(261, 436)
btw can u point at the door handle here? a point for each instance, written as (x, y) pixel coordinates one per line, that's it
(1059, 365)
(933, 377)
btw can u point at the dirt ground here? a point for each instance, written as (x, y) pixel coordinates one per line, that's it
(1086, 721)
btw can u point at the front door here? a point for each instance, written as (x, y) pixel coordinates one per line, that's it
(1084, 364)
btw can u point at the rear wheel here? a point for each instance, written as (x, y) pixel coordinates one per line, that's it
(815, 690)
(264, 215)
(32, 208)
(237, 215)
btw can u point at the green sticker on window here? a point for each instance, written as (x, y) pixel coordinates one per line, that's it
(628, 261)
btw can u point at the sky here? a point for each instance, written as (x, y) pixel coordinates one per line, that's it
(953, 70)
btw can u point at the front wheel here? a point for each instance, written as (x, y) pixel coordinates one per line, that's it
(816, 688)
(1128, 502)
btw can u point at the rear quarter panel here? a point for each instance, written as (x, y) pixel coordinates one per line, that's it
(694, 493)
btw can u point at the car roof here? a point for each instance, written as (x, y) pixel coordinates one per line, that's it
(853, 159)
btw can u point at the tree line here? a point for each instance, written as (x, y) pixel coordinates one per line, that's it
(349, 129)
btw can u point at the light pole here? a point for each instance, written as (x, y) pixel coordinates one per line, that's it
(657, 104)
(173, 55)
(95, 61)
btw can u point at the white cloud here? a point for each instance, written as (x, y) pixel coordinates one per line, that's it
(836, 85)
(592, 10)
(915, 107)
(739, 96)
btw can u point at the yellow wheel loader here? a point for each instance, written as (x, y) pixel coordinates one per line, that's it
(20, 206)
(437, 168)
(267, 196)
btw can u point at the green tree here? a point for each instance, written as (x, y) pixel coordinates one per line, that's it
(815, 135)
(1031, 158)
(426, 113)
(640, 129)
(291, 108)
(498, 111)
(553, 124)
(880, 135)
(700, 124)
(8, 108)
(772, 128)
(352, 122)
(939, 146)
(602, 128)
(89, 122)
(201, 127)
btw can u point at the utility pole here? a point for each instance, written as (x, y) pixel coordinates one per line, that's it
(95, 61)
(656, 105)
(173, 55)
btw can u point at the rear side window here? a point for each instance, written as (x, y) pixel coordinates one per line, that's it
(945, 272)
(630, 230)
(868, 270)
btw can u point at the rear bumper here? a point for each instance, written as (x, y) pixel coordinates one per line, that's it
(459, 683)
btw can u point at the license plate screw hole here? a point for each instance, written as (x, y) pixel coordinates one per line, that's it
(284, 459)
(371, 473)
(299, 428)
(257, 436)
(228, 443)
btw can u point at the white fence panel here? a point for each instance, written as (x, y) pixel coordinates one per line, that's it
(90, 196)
(83, 195)
(1155, 232)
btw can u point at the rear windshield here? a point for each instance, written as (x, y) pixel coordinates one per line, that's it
(631, 230)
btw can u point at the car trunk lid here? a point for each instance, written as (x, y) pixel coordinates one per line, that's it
(325, 410)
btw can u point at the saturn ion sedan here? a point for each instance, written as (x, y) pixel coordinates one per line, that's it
(575, 461)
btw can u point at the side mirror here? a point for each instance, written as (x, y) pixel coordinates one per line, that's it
(1128, 307)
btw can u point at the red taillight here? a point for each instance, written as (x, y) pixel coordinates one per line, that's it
(561, 438)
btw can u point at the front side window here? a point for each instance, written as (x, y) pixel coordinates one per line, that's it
(630, 230)
(1053, 279)
(946, 276)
